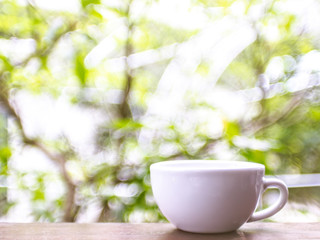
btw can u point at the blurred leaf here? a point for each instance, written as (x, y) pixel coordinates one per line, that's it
(38, 195)
(5, 153)
(256, 156)
(120, 12)
(80, 69)
(5, 207)
(5, 64)
(126, 125)
(94, 13)
(315, 114)
(203, 69)
(290, 20)
(231, 129)
(85, 3)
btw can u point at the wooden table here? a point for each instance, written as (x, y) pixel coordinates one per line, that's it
(151, 231)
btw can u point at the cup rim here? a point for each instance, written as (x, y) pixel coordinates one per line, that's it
(206, 166)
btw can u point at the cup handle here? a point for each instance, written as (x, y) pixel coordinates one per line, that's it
(277, 206)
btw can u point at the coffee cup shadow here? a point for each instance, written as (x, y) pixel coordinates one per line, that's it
(181, 235)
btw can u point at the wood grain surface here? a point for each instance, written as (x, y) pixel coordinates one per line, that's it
(151, 231)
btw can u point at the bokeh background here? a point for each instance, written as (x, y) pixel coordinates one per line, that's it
(94, 91)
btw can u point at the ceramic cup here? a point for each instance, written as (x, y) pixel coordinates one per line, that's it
(211, 196)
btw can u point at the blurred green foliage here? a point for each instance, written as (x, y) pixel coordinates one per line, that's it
(284, 121)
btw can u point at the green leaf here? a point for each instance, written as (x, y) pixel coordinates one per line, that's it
(38, 195)
(126, 124)
(4, 209)
(203, 69)
(231, 129)
(5, 153)
(120, 12)
(80, 69)
(5, 64)
(85, 3)
(256, 156)
(314, 114)
(94, 13)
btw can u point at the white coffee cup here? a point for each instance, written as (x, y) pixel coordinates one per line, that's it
(211, 196)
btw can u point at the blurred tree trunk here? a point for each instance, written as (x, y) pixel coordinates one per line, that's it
(123, 111)
(4, 158)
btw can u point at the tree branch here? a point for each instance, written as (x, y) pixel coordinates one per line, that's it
(45, 51)
(58, 158)
(124, 107)
(268, 121)
(105, 212)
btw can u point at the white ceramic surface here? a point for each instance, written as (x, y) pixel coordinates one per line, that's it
(210, 196)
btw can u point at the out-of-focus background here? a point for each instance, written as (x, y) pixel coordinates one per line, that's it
(94, 91)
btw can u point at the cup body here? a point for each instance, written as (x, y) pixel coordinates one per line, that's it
(207, 196)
